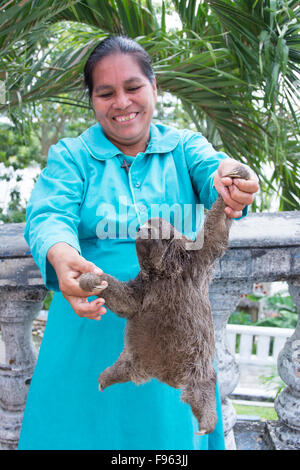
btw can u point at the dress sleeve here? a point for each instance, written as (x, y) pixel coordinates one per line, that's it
(203, 161)
(52, 214)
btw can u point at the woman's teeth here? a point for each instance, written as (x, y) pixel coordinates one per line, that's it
(129, 117)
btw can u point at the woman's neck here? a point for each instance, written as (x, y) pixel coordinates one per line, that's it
(133, 149)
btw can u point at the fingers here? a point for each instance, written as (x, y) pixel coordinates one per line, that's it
(235, 205)
(236, 192)
(69, 265)
(233, 214)
(247, 186)
(83, 266)
(69, 283)
(240, 196)
(83, 308)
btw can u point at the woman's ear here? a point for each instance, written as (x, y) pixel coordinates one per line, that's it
(154, 86)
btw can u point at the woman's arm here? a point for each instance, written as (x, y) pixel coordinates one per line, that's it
(52, 219)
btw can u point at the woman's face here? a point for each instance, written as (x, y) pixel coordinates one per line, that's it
(123, 100)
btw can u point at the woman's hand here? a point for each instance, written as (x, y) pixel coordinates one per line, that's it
(236, 193)
(69, 265)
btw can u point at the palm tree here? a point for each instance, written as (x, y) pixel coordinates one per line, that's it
(233, 65)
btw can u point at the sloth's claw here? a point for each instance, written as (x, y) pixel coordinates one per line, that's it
(101, 286)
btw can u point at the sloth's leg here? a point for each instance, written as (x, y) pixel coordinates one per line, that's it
(201, 396)
(215, 232)
(121, 371)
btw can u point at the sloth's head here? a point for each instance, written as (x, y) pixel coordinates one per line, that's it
(161, 249)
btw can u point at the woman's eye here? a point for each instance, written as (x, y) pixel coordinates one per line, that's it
(134, 88)
(106, 95)
(110, 93)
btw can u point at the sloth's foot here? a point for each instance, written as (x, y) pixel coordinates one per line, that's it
(207, 423)
(201, 432)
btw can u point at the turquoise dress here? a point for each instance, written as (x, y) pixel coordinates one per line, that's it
(85, 198)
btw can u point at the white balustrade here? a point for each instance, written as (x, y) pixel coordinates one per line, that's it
(257, 345)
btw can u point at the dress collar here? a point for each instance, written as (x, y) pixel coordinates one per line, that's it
(163, 139)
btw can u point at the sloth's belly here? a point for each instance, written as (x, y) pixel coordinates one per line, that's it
(168, 351)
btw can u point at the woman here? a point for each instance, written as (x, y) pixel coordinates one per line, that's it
(94, 190)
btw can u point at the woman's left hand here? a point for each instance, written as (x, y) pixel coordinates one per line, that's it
(236, 193)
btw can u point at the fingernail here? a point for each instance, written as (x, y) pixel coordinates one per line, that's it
(98, 271)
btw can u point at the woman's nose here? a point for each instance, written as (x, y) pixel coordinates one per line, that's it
(121, 101)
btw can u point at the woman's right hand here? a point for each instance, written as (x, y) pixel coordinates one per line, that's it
(69, 265)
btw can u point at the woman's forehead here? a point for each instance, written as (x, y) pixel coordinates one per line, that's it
(124, 67)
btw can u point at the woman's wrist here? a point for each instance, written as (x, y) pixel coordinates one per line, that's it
(59, 251)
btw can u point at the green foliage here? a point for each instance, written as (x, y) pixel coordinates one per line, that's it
(283, 310)
(48, 300)
(23, 144)
(17, 150)
(240, 318)
(265, 413)
(273, 381)
(233, 67)
(15, 212)
(280, 305)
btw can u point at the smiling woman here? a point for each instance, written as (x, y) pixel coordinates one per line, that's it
(85, 176)
(123, 101)
(122, 88)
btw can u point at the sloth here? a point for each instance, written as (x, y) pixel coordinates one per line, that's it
(169, 332)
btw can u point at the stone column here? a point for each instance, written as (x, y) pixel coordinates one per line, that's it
(224, 297)
(22, 293)
(19, 306)
(285, 433)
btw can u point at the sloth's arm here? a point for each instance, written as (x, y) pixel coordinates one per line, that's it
(119, 297)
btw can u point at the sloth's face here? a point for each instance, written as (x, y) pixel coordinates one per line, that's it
(155, 243)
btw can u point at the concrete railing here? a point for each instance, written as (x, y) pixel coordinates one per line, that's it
(263, 247)
(268, 343)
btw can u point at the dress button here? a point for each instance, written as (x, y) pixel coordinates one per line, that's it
(137, 184)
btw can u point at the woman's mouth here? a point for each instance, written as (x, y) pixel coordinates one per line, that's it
(125, 118)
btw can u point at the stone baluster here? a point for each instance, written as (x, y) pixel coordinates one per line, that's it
(224, 297)
(18, 309)
(285, 433)
(21, 298)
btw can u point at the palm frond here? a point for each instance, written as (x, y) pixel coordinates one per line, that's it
(130, 17)
(234, 66)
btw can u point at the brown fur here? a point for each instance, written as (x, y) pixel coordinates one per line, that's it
(169, 332)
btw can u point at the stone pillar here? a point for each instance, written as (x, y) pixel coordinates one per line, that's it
(19, 306)
(285, 433)
(22, 292)
(224, 297)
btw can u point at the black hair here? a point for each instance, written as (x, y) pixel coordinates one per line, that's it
(113, 45)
